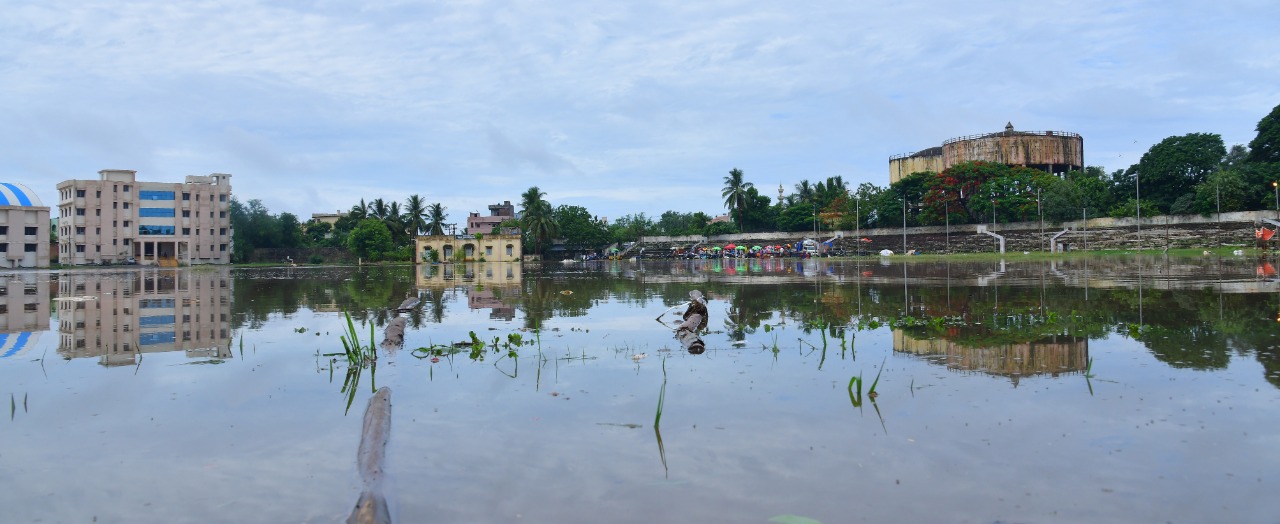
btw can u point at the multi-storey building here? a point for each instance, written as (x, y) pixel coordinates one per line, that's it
(149, 311)
(498, 213)
(24, 312)
(116, 220)
(24, 228)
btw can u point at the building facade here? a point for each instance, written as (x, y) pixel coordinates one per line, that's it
(494, 247)
(1050, 151)
(498, 213)
(117, 219)
(24, 228)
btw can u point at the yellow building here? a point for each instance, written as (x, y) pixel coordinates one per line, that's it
(486, 248)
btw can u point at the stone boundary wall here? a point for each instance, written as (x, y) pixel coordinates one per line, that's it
(301, 256)
(1160, 232)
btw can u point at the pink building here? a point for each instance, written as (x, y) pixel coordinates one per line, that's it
(498, 213)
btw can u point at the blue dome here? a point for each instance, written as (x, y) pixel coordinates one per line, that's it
(18, 195)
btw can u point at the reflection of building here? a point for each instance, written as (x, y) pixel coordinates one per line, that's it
(485, 248)
(489, 286)
(116, 218)
(498, 213)
(24, 228)
(117, 316)
(1052, 151)
(1047, 356)
(24, 312)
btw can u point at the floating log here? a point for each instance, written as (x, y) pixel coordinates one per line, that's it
(687, 333)
(393, 335)
(371, 507)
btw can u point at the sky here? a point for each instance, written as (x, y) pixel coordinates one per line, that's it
(618, 107)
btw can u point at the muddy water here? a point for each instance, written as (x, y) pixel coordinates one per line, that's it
(1100, 390)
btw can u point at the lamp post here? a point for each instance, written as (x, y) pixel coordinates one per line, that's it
(1040, 211)
(904, 223)
(946, 210)
(1137, 190)
(857, 202)
(1277, 187)
(815, 221)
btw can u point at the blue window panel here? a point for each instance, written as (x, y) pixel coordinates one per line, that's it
(155, 212)
(155, 195)
(162, 337)
(155, 320)
(155, 230)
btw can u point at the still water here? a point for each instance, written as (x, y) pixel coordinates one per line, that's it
(1084, 390)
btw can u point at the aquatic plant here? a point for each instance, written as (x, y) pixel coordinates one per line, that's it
(358, 353)
(662, 395)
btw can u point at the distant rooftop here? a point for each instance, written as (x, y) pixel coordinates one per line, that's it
(18, 195)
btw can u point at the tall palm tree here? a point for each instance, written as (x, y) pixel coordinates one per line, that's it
(804, 191)
(435, 219)
(359, 211)
(415, 214)
(537, 218)
(378, 209)
(735, 193)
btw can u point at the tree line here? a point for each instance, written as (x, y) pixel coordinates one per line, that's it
(1192, 173)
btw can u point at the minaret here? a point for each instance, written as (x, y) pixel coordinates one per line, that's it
(779, 191)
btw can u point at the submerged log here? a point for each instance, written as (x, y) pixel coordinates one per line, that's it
(393, 335)
(687, 333)
(371, 507)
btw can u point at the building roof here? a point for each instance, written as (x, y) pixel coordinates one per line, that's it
(18, 195)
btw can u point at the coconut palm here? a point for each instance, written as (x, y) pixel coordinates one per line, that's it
(359, 211)
(415, 214)
(735, 193)
(435, 219)
(537, 218)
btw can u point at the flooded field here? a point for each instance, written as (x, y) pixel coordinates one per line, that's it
(1087, 390)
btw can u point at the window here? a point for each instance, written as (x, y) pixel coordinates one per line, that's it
(488, 251)
(222, 231)
(30, 230)
(29, 307)
(29, 248)
(79, 193)
(98, 194)
(4, 230)
(186, 196)
(155, 212)
(126, 189)
(79, 211)
(79, 230)
(97, 212)
(222, 214)
(97, 231)
(127, 223)
(79, 248)
(186, 213)
(186, 231)
(222, 198)
(4, 248)
(115, 205)
(508, 249)
(222, 247)
(126, 241)
(126, 205)
(155, 195)
(154, 230)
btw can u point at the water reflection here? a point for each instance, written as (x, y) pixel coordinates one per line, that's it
(116, 317)
(24, 312)
(496, 287)
(1051, 356)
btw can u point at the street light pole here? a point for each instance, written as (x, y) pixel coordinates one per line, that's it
(1137, 188)
(904, 223)
(946, 207)
(1277, 186)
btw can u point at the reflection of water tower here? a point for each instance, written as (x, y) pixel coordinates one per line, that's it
(24, 312)
(1050, 151)
(1052, 355)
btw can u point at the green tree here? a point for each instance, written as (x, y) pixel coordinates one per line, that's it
(435, 219)
(581, 231)
(415, 215)
(537, 219)
(758, 212)
(290, 230)
(371, 240)
(1174, 166)
(735, 194)
(317, 232)
(1225, 190)
(1266, 146)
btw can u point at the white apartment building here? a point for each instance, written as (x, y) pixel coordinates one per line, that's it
(117, 220)
(24, 228)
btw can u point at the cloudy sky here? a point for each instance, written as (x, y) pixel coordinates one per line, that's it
(620, 107)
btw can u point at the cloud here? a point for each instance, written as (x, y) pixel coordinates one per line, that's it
(470, 103)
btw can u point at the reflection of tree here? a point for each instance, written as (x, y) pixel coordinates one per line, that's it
(367, 293)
